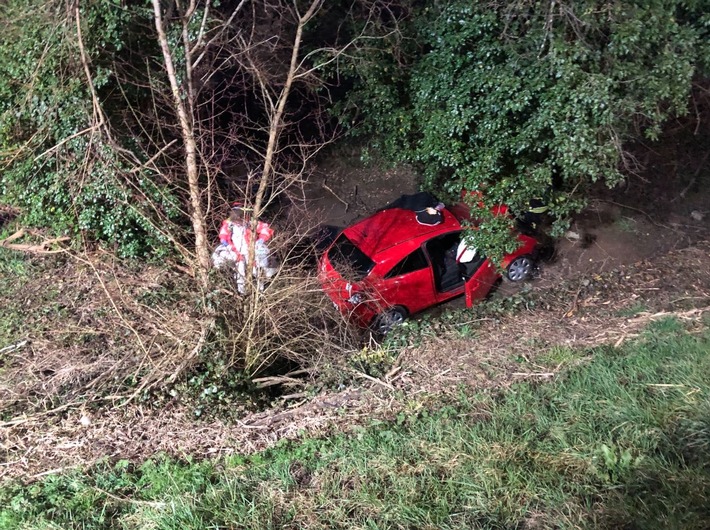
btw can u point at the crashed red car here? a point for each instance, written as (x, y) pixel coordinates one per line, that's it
(390, 265)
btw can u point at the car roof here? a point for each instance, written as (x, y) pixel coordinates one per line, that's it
(395, 226)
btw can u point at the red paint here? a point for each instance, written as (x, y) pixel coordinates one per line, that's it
(383, 241)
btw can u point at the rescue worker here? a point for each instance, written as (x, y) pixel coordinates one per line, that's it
(537, 209)
(235, 236)
(531, 221)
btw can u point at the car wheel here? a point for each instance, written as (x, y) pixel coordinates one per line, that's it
(521, 268)
(389, 319)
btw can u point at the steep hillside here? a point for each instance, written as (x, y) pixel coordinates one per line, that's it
(526, 335)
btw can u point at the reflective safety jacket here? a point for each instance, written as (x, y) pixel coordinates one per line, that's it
(237, 236)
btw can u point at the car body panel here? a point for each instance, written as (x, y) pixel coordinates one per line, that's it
(413, 290)
(528, 247)
(481, 282)
(389, 238)
(391, 234)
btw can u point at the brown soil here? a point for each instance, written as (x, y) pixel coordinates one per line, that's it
(619, 227)
(344, 191)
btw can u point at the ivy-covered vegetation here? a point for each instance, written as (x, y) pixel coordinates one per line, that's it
(522, 100)
(60, 163)
(528, 100)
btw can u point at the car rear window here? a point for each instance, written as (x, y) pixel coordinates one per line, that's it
(346, 258)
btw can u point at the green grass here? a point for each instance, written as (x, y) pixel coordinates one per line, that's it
(633, 310)
(620, 441)
(13, 277)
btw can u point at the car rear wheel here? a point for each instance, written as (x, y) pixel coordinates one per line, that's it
(386, 321)
(521, 268)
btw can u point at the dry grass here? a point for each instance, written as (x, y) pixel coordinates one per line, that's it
(52, 425)
(94, 329)
(93, 339)
(600, 309)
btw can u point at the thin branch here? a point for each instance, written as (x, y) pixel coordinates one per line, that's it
(152, 159)
(98, 111)
(223, 29)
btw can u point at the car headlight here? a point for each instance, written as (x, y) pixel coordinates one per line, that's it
(355, 299)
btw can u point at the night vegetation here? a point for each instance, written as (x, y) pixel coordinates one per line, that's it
(128, 126)
(621, 439)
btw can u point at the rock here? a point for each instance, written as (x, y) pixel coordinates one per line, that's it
(570, 234)
(695, 215)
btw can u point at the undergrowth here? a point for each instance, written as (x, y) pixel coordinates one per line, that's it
(13, 275)
(99, 331)
(620, 441)
(462, 322)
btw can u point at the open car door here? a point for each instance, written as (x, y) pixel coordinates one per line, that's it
(480, 276)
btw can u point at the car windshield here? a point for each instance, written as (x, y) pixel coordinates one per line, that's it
(348, 260)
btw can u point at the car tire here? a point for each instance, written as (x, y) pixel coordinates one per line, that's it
(386, 321)
(520, 269)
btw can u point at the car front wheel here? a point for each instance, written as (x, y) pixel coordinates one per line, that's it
(521, 268)
(386, 321)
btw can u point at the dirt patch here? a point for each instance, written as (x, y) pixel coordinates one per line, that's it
(646, 216)
(598, 243)
(346, 190)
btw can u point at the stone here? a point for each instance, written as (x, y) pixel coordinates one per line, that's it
(696, 215)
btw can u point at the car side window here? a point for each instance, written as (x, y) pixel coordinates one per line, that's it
(413, 262)
(442, 252)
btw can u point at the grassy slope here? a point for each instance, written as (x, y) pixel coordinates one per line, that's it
(620, 441)
(13, 274)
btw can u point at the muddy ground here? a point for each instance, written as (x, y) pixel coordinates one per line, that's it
(638, 253)
(648, 215)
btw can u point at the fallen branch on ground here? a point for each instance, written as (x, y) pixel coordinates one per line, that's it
(13, 347)
(41, 248)
(692, 314)
(347, 204)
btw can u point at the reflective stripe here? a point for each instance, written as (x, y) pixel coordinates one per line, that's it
(538, 209)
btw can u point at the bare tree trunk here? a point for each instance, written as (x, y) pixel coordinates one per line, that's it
(188, 135)
(275, 125)
(276, 120)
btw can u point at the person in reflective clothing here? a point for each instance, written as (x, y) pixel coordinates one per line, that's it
(235, 236)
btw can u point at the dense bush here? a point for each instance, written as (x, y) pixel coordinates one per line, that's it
(59, 165)
(528, 100)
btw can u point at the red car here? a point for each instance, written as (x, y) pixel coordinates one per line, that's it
(392, 264)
